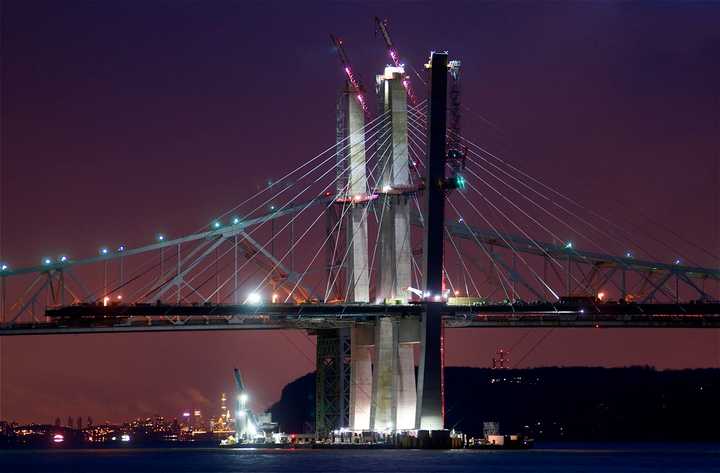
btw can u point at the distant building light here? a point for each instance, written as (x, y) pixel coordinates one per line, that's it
(58, 438)
(125, 438)
(197, 413)
(186, 414)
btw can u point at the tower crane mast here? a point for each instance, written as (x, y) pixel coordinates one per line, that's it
(382, 27)
(353, 80)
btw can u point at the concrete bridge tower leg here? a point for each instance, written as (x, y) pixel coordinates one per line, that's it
(343, 357)
(430, 409)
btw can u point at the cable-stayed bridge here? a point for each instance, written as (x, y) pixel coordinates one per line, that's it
(401, 228)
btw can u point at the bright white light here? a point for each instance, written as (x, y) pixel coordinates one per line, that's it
(457, 293)
(46, 261)
(186, 414)
(628, 255)
(103, 251)
(240, 413)
(677, 261)
(58, 438)
(125, 438)
(3, 267)
(121, 248)
(568, 245)
(386, 189)
(63, 259)
(161, 237)
(106, 301)
(275, 298)
(216, 224)
(235, 220)
(601, 295)
(254, 298)
(243, 398)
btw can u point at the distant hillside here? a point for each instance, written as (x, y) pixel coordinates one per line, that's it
(560, 403)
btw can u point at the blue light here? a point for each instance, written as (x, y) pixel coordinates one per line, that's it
(103, 251)
(121, 248)
(629, 254)
(677, 261)
(63, 259)
(46, 261)
(161, 237)
(216, 224)
(4, 267)
(568, 245)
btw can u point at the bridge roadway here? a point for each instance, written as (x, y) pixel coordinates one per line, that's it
(116, 318)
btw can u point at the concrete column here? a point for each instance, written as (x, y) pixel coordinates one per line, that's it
(395, 251)
(357, 236)
(383, 411)
(360, 378)
(406, 389)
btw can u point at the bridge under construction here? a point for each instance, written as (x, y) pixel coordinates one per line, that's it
(402, 228)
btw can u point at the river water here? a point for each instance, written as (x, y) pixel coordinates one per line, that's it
(636, 458)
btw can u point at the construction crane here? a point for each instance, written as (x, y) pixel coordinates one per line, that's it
(382, 27)
(353, 80)
(245, 421)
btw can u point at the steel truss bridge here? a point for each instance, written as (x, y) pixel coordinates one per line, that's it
(403, 222)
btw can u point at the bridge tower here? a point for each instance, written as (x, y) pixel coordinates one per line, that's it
(343, 363)
(393, 382)
(430, 413)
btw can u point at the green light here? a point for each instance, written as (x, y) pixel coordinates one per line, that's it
(46, 261)
(235, 220)
(216, 224)
(460, 182)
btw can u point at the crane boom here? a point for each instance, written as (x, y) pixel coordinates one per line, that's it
(382, 26)
(353, 80)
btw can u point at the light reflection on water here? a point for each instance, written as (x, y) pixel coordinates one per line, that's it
(558, 458)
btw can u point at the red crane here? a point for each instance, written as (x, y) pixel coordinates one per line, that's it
(353, 80)
(382, 27)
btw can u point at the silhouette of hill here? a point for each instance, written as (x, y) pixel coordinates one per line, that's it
(635, 403)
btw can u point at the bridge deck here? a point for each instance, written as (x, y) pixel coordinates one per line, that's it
(92, 318)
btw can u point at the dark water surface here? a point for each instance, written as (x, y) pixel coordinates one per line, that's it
(564, 458)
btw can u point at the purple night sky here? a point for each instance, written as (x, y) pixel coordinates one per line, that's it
(121, 119)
